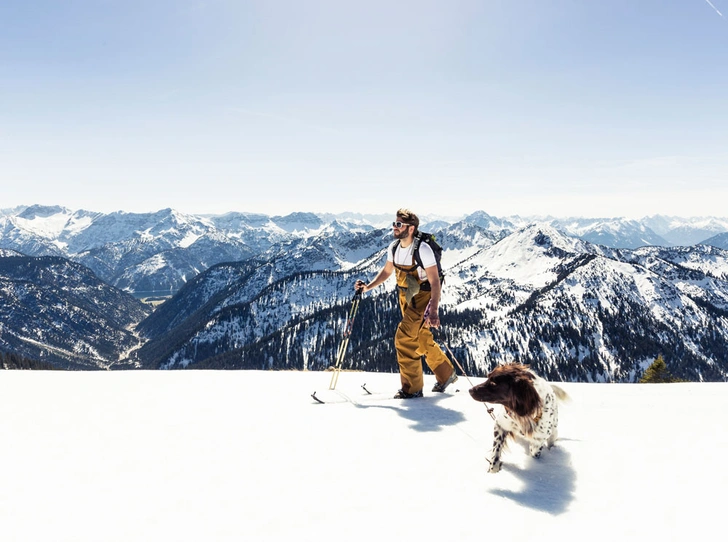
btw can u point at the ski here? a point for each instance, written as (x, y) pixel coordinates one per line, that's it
(336, 396)
(326, 397)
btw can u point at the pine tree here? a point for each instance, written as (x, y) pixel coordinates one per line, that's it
(657, 373)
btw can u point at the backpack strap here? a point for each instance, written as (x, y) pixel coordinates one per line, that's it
(415, 253)
(416, 250)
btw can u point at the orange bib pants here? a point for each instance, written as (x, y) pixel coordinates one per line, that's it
(413, 340)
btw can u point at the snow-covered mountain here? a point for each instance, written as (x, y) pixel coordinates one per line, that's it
(135, 251)
(59, 312)
(685, 231)
(255, 291)
(574, 310)
(496, 226)
(290, 283)
(618, 233)
(160, 251)
(720, 241)
(583, 312)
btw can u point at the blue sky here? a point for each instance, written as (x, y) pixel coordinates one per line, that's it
(561, 107)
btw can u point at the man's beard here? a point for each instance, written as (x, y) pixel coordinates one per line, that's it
(402, 234)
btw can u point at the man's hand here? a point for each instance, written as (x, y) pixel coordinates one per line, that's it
(433, 319)
(361, 285)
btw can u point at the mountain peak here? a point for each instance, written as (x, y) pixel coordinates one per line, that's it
(298, 222)
(42, 211)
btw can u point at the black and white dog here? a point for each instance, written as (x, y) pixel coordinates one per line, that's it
(530, 408)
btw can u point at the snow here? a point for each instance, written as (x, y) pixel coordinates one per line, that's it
(248, 455)
(48, 227)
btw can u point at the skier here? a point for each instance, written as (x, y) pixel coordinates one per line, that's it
(419, 295)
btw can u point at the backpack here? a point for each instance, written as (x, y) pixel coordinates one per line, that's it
(436, 249)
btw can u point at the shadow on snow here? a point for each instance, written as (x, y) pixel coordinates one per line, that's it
(425, 413)
(548, 482)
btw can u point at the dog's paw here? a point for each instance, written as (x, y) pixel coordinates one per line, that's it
(535, 451)
(495, 466)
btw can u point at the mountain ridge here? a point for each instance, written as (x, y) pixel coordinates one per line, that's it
(159, 251)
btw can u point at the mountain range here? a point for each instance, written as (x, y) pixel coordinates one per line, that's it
(573, 310)
(273, 292)
(158, 252)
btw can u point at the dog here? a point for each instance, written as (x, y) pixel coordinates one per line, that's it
(530, 409)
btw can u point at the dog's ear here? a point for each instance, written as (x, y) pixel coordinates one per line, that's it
(526, 400)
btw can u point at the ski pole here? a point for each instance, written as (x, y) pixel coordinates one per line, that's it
(345, 342)
(490, 409)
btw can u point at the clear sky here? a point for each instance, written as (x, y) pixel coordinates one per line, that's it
(561, 107)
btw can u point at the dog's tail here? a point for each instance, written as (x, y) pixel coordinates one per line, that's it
(561, 395)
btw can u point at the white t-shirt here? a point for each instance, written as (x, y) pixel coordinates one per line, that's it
(405, 257)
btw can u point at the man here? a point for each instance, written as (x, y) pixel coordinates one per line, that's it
(419, 297)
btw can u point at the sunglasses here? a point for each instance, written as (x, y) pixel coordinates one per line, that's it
(399, 224)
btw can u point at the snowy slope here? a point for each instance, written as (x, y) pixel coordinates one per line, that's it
(248, 455)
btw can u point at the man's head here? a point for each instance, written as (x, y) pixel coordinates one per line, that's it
(408, 224)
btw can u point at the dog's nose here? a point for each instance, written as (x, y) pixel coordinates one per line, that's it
(476, 392)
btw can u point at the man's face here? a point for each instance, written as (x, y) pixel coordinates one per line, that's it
(400, 229)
